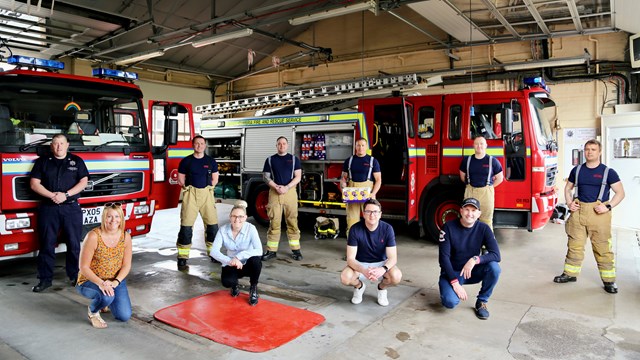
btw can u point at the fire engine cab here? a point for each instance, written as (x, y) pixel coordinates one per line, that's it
(104, 120)
(419, 141)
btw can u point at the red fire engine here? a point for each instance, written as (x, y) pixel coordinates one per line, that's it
(419, 141)
(104, 121)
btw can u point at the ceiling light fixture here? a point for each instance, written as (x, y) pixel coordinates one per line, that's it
(546, 63)
(138, 57)
(369, 5)
(222, 37)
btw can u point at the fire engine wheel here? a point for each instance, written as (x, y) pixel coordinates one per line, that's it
(444, 206)
(258, 203)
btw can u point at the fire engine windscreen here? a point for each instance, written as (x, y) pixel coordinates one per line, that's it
(99, 116)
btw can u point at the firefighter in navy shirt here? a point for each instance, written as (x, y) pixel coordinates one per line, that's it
(59, 178)
(591, 216)
(371, 255)
(358, 171)
(198, 176)
(461, 241)
(481, 173)
(282, 172)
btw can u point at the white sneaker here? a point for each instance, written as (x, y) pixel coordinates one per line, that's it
(357, 294)
(382, 297)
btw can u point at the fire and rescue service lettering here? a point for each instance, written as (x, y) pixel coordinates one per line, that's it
(272, 121)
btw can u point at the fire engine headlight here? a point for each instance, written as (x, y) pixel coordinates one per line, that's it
(141, 210)
(15, 224)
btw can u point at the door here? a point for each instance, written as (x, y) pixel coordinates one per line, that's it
(410, 159)
(166, 158)
(621, 152)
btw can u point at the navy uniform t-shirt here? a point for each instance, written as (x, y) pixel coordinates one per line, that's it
(590, 182)
(372, 245)
(458, 244)
(198, 171)
(60, 175)
(360, 167)
(479, 170)
(282, 168)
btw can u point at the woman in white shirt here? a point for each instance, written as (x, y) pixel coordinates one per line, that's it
(244, 251)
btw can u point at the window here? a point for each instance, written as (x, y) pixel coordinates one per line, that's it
(426, 118)
(455, 122)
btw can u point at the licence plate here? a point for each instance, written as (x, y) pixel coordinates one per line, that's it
(92, 215)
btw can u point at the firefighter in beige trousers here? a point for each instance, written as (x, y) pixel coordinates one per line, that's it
(481, 173)
(198, 176)
(357, 171)
(282, 172)
(591, 216)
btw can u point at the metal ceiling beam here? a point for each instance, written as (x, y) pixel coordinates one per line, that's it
(536, 15)
(575, 16)
(494, 11)
(418, 28)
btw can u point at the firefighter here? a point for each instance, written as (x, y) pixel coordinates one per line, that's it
(198, 176)
(482, 174)
(282, 172)
(358, 171)
(591, 216)
(59, 179)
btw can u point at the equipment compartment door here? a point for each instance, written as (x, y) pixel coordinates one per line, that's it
(166, 158)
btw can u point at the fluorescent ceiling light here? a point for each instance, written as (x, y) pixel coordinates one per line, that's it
(454, 23)
(138, 57)
(546, 63)
(222, 37)
(369, 5)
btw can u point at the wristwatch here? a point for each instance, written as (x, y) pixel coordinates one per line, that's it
(608, 206)
(67, 194)
(386, 269)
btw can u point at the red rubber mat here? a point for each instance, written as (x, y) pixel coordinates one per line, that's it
(233, 322)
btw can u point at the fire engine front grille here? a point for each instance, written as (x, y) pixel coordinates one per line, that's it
(552, 171)
(432, 162)
(98, 185)
(432, 149)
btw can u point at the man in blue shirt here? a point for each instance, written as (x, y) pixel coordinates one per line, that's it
(482, 173)
(461, 241)
(591, 216)
(282, 172)
(358, 171)
(371, 254)
(198, 176)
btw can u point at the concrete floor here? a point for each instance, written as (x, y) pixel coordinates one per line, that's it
(531, 317)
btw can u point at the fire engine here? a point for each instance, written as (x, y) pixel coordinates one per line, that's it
(104, 120)
(419, 141)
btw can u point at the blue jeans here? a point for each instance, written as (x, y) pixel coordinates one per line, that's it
(487, 273)
(120, 304)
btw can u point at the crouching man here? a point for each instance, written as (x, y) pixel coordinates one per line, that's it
(371, 254)
(461, 242)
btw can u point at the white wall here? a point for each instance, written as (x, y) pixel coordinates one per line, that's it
(156, 91)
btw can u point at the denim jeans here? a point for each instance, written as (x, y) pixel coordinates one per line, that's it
(120, 304)
(487, 273)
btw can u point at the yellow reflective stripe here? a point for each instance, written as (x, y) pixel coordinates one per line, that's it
(572, 269)
(182, 251)
(452, 151)
(608, 273)
(272, 244)
(294, 242)
(179, 153)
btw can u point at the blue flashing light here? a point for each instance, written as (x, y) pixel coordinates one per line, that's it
(32, 62)
(537, 81)
(116, 74)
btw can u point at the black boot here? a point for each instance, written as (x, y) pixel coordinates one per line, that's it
(268, 255)
(297, 255)
(182, 265)
(253, 295)
(235, 291)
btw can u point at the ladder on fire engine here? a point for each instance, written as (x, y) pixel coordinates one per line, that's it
(350, 90)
